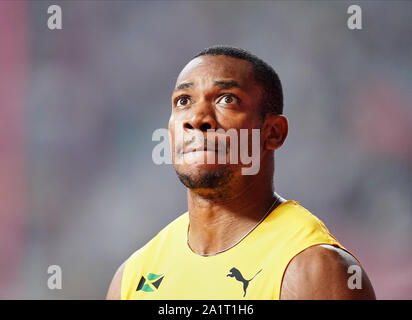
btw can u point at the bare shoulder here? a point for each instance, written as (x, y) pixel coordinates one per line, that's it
(116, 285)
(326, 272)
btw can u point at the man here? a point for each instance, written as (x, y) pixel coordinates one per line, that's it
(239, 239)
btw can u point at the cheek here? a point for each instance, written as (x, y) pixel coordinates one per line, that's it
(171, 121)
(238, 121)
(172, 129)
(246, 140)
(172, 142)
(171, 135)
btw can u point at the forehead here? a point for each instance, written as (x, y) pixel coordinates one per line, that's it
(212, 68)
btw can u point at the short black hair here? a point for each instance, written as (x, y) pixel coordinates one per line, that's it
(265, 76)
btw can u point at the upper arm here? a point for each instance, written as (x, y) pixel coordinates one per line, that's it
(114, 292)
(322, 272)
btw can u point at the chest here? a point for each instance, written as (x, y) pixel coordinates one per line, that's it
(237, 278)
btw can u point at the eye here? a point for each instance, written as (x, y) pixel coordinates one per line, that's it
(228, 98)
(182, 101)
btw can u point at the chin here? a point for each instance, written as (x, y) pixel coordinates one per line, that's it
(204, 176)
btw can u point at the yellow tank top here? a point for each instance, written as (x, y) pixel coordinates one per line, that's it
(166, 268)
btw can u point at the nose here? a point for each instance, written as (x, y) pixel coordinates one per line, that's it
(202, 118)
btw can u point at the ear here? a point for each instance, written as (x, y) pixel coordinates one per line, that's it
(275, 131)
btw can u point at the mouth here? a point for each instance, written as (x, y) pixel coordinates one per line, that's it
(201, 149)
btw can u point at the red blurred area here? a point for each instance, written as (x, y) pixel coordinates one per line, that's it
(381, 120)
(13, 70)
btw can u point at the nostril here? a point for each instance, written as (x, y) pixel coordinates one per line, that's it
(205, 126)
(187, 126)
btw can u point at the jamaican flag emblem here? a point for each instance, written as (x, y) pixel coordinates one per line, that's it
(150, 283)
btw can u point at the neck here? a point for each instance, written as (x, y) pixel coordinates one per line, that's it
(238, 212)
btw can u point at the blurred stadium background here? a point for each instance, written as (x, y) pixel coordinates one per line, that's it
(78, 107)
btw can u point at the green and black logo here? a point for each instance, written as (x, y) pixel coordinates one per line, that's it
(150, 283)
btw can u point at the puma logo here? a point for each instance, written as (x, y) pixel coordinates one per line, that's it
(235, 273)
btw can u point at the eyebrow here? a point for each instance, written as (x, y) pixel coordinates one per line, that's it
(184, 85)
(221, 84)
(228, 84)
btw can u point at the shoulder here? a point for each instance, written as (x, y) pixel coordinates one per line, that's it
(325, 272)
(293, 215)
(114, 292)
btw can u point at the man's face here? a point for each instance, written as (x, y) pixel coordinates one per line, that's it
(211, 93)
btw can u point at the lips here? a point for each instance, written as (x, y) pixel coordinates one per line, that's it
(211, 146)
(197, 149)
(203, 144)
(193, 149)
